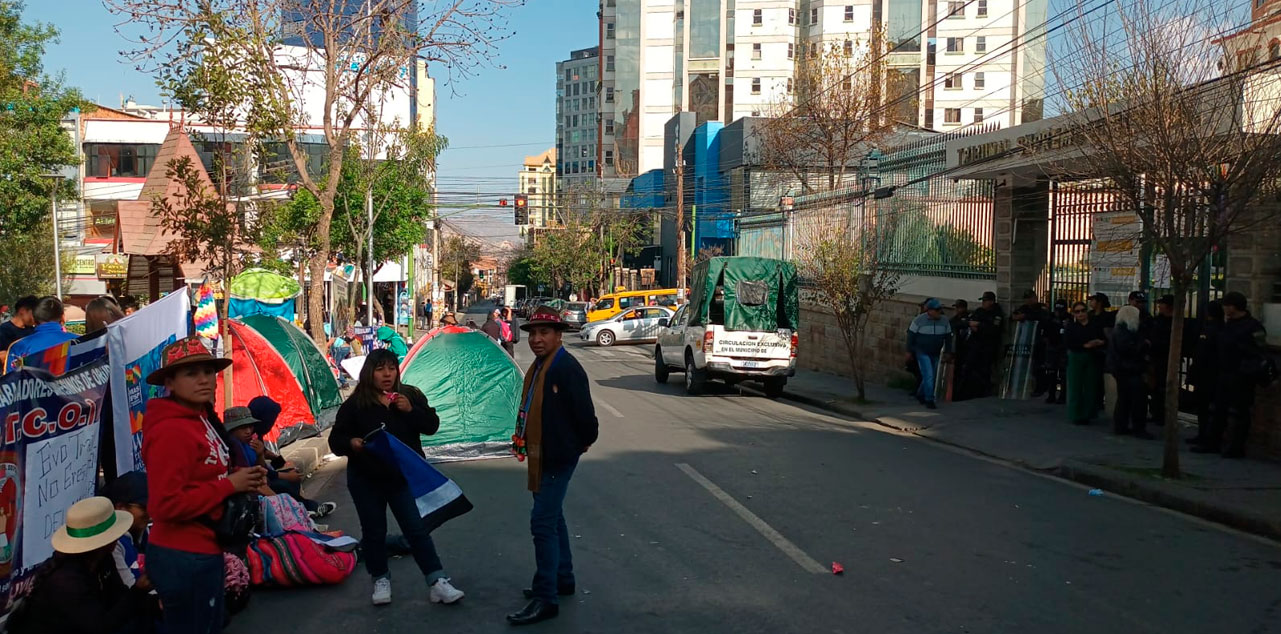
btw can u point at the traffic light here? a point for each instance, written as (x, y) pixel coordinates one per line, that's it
(522, 209)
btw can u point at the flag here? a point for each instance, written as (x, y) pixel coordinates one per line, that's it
(206, 319)
(439, 498)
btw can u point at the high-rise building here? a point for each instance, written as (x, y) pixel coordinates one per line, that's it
(954, 62)
(577, 127)
(537, 181)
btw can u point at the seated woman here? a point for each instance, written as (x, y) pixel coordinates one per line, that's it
(281, 476)
(78, 591)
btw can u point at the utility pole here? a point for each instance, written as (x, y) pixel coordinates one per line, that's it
(680, 218)
(57, 237)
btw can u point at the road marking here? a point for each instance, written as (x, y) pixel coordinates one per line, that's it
(611, 409)
(806, 562)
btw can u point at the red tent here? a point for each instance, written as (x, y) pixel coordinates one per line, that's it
(259, 370)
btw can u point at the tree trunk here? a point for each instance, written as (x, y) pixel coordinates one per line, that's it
(316, 296)
(1170, 455)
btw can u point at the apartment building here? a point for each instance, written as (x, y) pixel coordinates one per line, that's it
(537, 181)
(953, 63)
(577, 119)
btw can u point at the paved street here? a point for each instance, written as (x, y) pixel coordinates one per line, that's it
(715, 514)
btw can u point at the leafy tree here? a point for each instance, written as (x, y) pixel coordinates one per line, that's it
(27, 269)
(524, 271)
(457, 253)
(32, 141)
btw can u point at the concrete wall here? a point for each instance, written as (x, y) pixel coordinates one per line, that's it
(822, 347)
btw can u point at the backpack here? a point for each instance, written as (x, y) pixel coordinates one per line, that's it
(292, 560)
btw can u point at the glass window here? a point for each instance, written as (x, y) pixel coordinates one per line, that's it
(789, 85)
(124, 160)
(956, 9)
(791, 16)
(756, 85)
(574, 118)
(952, 81)
(849, 48)
(956, 45)
(609, 95)
(813, 49)
(756, 17)
(1274, 50)
(951, 115)
(791, 50)
(609, 63)
(978, 115)
(609, 157)
(609, 30)
(605, 304)
(813, 17)
(591, 103)
(756, 51)
(849, 13)
(980, 80)
(904, 25)
(704, 29)
(982, 8)
(980, 44)
(609, 126)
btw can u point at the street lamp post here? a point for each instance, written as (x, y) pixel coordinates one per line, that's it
(57, 248)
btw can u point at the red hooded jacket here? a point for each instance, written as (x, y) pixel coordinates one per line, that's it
(186, 476)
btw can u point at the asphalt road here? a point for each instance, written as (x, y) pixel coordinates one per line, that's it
(724, 513)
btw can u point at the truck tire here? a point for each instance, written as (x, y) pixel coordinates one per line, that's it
(605, 338)
(661, 372)
(695, 379)
(774, 386)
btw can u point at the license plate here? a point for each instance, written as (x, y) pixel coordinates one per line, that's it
(752, 364)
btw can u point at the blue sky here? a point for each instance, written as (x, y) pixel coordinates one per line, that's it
(507, 106)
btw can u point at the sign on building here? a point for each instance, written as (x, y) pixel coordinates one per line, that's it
(112, 266)
(1115, 255)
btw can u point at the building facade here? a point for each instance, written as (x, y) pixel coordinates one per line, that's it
(954, 63)
(577, 120)
(537, 181)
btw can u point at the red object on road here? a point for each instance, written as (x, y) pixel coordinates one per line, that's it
(837, 568)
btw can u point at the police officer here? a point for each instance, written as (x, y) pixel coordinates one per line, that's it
(1056, 353)
(961, 346)
(985, 324)
(1033, 311)
(1240, 361)
(1159, 330)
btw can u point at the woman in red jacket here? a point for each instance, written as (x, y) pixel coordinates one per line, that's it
(187, 475)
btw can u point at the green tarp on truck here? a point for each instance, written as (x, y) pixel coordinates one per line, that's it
(759, 294)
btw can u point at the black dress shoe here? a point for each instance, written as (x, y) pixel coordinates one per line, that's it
(536, 612)
(563, 591)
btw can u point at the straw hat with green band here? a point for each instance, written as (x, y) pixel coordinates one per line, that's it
(91, 524)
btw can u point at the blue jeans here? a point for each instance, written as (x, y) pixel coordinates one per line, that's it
(190, 586)
(340, 353)
(372, 499)
(929, 364)
(551, 536)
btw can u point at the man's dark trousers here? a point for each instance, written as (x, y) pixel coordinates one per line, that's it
(551, 537)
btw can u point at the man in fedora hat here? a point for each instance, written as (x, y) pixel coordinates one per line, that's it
(189, 480)
(555, 426)
(80, 590)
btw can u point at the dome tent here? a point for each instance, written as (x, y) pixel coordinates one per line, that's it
(271, 357)
(474, 387)
(262, 292)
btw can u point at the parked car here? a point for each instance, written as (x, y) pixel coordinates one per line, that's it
(613, 303)
(740, 323)
(629, 326)
(574, 314)
(530, 304)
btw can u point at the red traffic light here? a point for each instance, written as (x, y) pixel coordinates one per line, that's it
(502, 202)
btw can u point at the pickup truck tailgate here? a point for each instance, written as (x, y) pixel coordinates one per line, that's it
(752, 345)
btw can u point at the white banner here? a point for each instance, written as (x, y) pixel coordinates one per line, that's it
(134, 345)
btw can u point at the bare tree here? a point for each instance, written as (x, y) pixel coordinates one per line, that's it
(326, 64)
(823, 122)
(1183, 128)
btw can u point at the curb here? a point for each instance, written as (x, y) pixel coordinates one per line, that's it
(1096, 476)
(307, 454)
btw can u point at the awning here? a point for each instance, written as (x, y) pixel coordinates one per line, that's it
(390, 272)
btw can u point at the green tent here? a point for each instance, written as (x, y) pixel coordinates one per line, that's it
(760, 294)
(474, 387)
(308, 364)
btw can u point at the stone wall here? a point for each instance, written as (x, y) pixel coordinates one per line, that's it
(822, 346)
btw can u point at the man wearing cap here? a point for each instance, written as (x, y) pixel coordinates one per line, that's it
(1033, 312)
(189, 481)
(1239, 361)
(79, 590)
(928, 337)
(986, 323)
(556, 425)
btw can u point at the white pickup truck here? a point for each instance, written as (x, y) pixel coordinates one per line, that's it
(711, 352)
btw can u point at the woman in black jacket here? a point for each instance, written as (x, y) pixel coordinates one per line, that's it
(1127, 360)
(1085, 342)
(381, 401)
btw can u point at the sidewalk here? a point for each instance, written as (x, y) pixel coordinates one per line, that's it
(1243, 494)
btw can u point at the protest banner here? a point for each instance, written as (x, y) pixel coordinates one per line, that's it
(48, 461)
(134, 345)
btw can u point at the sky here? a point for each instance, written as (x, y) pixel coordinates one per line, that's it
(512, 105)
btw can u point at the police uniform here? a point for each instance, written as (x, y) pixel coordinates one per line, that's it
(985, 344)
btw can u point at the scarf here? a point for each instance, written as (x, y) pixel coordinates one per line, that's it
(529, 425)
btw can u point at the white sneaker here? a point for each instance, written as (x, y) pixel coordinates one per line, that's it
(382, 591)
(444, 592)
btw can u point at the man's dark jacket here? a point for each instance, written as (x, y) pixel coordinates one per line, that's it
(569, 417)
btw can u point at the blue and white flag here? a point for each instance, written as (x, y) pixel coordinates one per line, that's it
(439, 498)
